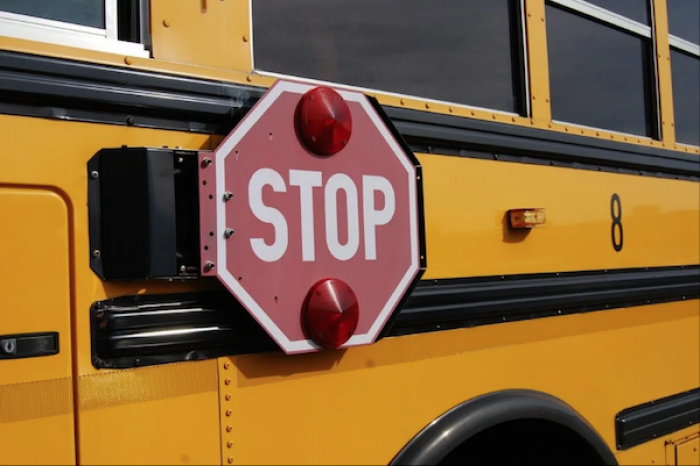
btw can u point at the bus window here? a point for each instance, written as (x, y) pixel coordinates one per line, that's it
(463, 52)
(600, 68)
(685, 68)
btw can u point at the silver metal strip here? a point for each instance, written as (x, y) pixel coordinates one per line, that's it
(68, 36)
(145, 24)
(606, 16)
(523, 24)
(6, 17)
(111, 20)
(686, 46)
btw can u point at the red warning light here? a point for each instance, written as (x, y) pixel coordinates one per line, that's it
(330, 313)
(323, 121)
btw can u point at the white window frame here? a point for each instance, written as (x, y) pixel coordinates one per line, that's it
(70, 34)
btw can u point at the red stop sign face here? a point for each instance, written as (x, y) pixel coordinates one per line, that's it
(276, 219)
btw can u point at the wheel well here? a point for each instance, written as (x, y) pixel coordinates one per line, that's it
(524, 441)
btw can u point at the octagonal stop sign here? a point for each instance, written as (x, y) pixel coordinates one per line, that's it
(277, 220)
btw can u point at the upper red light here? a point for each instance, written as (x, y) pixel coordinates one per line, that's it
(323, 121)
(330, 313)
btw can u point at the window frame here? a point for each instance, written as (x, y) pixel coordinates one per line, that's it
(685, 46)
(522, 60)
(628, 25)
(28, 27)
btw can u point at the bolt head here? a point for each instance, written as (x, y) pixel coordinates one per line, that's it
(94, 174)
(206, 161)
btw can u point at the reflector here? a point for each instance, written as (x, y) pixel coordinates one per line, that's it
(526, 218)
(330, 313)
(323, 121)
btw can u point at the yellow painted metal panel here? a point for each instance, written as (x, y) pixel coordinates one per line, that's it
(211, 33)
(35, 393)
(466, 201)
(663, 59)
(361, 406)
(154, 415)
(538, 64)
(38, 441)
(688, 453)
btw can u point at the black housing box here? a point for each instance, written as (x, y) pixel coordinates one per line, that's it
(144, 213)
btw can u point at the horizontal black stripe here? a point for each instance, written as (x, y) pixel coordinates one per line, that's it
(646, 422)
(63, 89)
(154, 329)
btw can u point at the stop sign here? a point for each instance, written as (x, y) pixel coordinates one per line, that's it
(276, 218)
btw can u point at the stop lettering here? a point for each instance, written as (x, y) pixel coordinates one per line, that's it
(300, 226)
(306, 181)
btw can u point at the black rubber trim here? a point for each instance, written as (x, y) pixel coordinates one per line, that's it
(70, 90)
(645, 422)
(464, 421)
(156, 329)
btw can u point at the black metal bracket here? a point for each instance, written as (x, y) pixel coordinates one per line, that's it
(143, 211)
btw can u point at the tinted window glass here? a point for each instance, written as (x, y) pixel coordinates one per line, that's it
(83, 12)
(637, 10)
(599, 76)
(461, 51)
(685, 71)
(684, 19)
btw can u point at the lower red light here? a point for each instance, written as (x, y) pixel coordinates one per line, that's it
(330, 313)
(323, 121)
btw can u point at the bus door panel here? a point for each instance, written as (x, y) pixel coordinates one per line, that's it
(36, 407)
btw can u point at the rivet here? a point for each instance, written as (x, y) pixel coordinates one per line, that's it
(512, 119)
(245, 38)
(549, 125)
(206, 161)
(249, 78)
(534, 97)
(427, 105)
(227, 381)
(450, 110)
(229, 412)
(542, 18)
(228, 233)
(566, 128)
(166, 23)
(403, 102)
(228, 196)
(229, 428)
(229, 444)
(230, 460)
(128, 60)
(493, 116)
(94, 174)
(96, 253)
(583, 132)
(228, 397)
(227, 365)
(532, 122)
(597, 133)
(473, 113)
(208, 266)
(529, 15)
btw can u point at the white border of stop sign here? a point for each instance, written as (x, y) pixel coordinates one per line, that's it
(258, 313)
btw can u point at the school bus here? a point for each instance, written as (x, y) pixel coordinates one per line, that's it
(577, 341)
